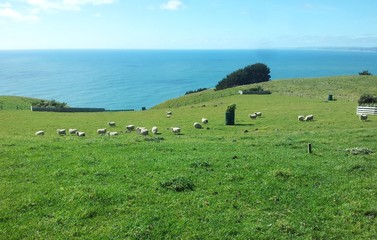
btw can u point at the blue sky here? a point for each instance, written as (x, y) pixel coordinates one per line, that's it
(186, 24)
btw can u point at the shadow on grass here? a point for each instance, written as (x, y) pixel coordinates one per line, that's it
(244, 124)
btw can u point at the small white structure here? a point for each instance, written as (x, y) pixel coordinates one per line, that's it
(366, 110)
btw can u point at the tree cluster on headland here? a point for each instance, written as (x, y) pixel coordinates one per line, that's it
(254, 73)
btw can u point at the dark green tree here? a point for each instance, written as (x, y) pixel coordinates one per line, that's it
(365, 72)
(255, 73)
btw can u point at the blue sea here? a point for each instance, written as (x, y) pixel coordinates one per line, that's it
(132, 79)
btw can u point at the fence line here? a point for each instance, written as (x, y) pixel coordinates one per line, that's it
(40, 109)
(366, 110)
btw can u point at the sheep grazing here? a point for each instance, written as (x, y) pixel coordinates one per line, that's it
(259, 114)
(130, 128)
(175, 130)
(363, 117)
(309, 118)
(301, 118)
(40, 133)
(61, 132)
(112, 133)
(168, 114)
(101, 131)
(72, 131)
(80, 134)
(142, 131)
(253, 116)
(154, 130)
(111, 124)
(197, 125)
(205, 120)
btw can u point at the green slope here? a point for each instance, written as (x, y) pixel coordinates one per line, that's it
(253, 180)
(348, 88)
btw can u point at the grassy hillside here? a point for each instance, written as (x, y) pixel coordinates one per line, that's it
(23, 103)
(254, 180)
(346, 88)
(16, 103)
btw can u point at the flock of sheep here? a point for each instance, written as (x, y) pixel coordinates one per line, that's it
(176, 130)
(129, 128)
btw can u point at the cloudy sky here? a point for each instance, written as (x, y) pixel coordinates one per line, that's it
(186, 24)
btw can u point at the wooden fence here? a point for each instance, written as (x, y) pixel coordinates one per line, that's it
(40, 109)
(366, 110)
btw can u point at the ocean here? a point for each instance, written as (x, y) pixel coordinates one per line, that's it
(133, 79)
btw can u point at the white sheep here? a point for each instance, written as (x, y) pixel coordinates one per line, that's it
(40, 133)
(253, 116)
(112, 133)
(101, 131)
(301, 118)
(175, 130)
(154, 130)
(80, 134)
(197, 125)
(142, 131)
(72, 131)
(309, 118)
(363, 117)
(111, 124)
(259, 114)
(61, 132)
(130, 128)
(169, 113)
(205, 120)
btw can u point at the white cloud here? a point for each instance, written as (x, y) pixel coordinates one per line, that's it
(7, 12)
(67, 5)
(29, 10)
(172, 5)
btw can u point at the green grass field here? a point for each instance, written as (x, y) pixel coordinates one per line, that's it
(253, 180)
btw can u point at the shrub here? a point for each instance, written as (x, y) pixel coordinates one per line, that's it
(49, 104)
(195, 91)
(367, 99)
(231, 108)
(365, 72)
(255, 73)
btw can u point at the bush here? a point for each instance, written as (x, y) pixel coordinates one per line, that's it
(195, 91)
(367, 99)
(365, 72)
(49, 104)
(231, 108)
(255, 73)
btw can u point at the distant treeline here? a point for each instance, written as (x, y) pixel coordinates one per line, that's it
(195, 91)
(49, 104)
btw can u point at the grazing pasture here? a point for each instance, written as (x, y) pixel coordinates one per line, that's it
(253, 180)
